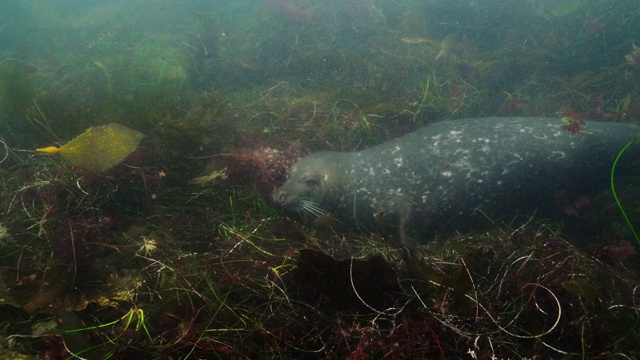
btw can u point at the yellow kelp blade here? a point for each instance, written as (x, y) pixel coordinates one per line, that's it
(446, 46)
(99, 148)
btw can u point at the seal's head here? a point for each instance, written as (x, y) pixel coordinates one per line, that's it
(312, 183)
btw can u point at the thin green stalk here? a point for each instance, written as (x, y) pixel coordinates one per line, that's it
(425, 94)
(613, 188)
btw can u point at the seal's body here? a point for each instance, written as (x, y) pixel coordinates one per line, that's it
(453, 173)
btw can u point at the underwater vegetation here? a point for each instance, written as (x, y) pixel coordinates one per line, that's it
(151, 233)
(98, 148)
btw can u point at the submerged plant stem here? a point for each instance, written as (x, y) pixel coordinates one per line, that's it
(613, 189)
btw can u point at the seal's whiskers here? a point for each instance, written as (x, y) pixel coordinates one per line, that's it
(311, 208)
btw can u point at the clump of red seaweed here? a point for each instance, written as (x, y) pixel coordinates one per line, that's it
(266, 165)
(573, 121)
(614, 254)
(289, 11)
(512, 106)
(571, 206)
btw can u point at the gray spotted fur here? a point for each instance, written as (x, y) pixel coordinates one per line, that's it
(452, 174)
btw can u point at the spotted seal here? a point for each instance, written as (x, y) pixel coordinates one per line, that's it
(453, 173)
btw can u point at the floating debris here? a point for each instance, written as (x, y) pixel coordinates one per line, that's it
(209, 178)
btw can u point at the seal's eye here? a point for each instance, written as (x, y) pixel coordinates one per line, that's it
(311, 182)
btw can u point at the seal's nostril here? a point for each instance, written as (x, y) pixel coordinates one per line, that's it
(280, 196)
